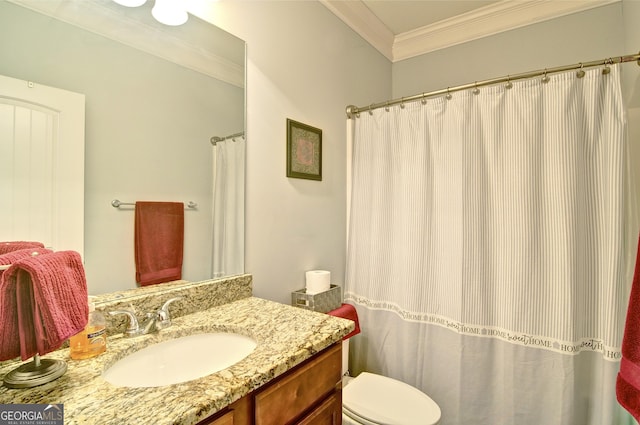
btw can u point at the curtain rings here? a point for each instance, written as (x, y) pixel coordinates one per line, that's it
(424, 99)
(545, 78)
(371, 109)
(386, 108)
(509, 84)
(448, 96)
(402, 103)
(580, 72)
(607, 69)
(476, 90)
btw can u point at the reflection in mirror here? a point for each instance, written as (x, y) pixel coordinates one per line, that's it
(154, 97)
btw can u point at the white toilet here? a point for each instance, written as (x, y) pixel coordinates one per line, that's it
(371, 399)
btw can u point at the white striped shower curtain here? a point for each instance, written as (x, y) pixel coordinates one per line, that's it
(490, 250)
(228, 207)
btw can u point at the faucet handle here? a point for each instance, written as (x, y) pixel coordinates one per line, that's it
(164, 319)
(165, 306)
(133, 327)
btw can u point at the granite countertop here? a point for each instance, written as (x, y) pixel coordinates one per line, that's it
(285, 337)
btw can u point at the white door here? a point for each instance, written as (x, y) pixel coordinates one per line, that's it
(41, 165)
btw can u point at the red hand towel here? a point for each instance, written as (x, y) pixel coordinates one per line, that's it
(13, 256)
(43, 301)
(6, 247)
(628, 381)
(159, 241)
(347, 311)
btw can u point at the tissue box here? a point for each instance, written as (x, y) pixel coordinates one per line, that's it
(321, 302)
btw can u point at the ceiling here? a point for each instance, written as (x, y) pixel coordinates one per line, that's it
(401, 29)
(402, 16)
(196, 45)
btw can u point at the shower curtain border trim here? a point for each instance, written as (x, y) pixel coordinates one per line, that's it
(580, 345)
(354, 111)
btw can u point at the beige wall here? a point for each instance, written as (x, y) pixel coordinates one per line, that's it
(148, 124)
(590, 35)
(304, 64)
(631, 81)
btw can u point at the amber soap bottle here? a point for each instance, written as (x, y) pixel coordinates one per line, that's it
(92, 340)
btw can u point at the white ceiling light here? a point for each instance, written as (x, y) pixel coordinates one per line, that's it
(130, 3)
(170, 12)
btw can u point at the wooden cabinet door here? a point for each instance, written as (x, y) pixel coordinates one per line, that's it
(287, 399)
(311, 391)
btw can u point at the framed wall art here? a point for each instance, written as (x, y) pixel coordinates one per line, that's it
(304, 151)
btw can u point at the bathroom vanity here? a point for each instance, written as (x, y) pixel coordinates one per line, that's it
(309, 394)
(293, 374)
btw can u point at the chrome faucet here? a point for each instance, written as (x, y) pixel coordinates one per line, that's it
(153, 321)
(133, 328)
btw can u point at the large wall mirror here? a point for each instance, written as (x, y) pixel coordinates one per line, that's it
(154, 97)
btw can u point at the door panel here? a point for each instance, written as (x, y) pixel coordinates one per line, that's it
(41, 165)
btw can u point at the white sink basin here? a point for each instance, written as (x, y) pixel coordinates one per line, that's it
(180, 360)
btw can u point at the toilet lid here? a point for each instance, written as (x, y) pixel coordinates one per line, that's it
(386, 401)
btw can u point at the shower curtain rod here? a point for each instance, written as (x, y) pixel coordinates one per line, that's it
(354, 111)
(216, 139)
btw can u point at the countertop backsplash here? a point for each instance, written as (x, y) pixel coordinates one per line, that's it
(196, 296)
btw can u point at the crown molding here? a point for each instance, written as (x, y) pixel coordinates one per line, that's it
(364, 22)
(489, 20)
(102, 18)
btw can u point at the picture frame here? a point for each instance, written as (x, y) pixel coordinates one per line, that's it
(304, 151)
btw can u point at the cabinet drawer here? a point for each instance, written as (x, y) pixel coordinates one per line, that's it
(288, 398)
(329, 412)
(226, 419)
(238, 413)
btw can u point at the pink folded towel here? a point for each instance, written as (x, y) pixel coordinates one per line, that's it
(13, 256)
(159, 241)
(628, 381)
(16, 245)
(347, 311)
(43, 302)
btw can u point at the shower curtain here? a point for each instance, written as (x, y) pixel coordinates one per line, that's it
(228, 207)
(490, 250)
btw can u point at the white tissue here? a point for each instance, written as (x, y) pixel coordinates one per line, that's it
(318, 281)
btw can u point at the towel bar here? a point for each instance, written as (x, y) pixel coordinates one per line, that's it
(116, 204)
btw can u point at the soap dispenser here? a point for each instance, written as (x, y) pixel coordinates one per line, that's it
(92, 340)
